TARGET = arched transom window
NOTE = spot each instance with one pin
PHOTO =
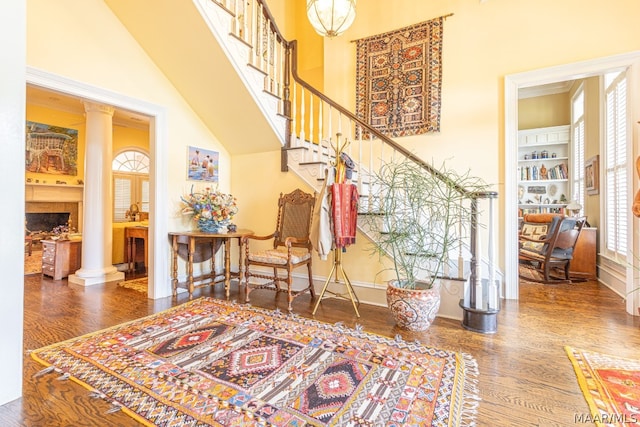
(130, 185)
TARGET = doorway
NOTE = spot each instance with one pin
(158, 264)
(513, 84)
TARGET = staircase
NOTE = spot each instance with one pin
(307, 123)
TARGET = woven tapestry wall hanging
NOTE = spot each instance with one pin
(399, 79)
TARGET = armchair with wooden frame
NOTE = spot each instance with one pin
(291, 248)
(550, 246)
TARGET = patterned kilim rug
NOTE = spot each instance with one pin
(212, 362)
(139, 285)
(33, 263)
(611, 386)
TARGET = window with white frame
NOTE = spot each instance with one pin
(130, 183)
(577, 140)
(615, 164)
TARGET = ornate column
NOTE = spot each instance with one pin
(97, 233)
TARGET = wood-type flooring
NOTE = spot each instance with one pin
(525, 377)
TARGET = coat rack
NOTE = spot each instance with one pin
(342, 174)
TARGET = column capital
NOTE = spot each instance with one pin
(92, 107)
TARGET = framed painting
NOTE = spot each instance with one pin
(51, 149)
(202, 164)
(591, 172)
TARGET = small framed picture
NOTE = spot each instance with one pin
(591, 174)
(202, 165)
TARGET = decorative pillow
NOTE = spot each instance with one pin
(535, 231)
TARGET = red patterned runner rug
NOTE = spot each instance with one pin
(212, 362)
(611, 386)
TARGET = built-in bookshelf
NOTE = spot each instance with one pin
(543, 169)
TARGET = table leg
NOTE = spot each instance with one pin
(174, 265)
(192, 249)
(146, 254)
(227, 266)
(133, 254)
(128, 240)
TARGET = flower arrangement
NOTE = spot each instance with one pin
(210, 209)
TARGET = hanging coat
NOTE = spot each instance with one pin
(321, 234)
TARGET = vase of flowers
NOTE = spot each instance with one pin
(211, 210)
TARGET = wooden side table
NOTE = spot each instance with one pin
(130, 236)
(197, 246)
(61, 257)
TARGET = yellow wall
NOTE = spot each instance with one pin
(123, 138)
(544, 111)
(592, 144)
(98, 51)
(483, 43)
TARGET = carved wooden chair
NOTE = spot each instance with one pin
(291, 248)
(545, 252)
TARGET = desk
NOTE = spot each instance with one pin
(197, 247)
(131, 234)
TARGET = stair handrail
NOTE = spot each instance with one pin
(283, 78)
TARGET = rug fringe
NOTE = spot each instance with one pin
(115, 407)
(471, 392)
(63, 377)
(44, 371)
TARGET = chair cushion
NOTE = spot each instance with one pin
(279, 256)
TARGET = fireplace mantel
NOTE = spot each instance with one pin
(56, 198)
(53, 193)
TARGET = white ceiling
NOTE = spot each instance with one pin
(63, 102)
(546, 89)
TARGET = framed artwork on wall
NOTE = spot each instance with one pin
(51, 149)
(202, 164)
(591, 172)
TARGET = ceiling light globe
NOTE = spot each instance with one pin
(330, 18)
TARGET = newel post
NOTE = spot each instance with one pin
(481, 302)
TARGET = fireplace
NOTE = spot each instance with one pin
(48, 206)
(45, 221)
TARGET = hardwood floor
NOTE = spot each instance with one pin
(525, 377)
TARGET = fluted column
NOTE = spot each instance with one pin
(97, 233)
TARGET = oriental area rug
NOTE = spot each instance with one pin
(399, 79)
(611, 386)
(210, 362)
(140, 284)
(33, 263)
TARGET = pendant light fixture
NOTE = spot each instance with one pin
(331, 18)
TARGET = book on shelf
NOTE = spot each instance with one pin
(532, 173)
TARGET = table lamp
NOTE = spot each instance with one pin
(574, 208)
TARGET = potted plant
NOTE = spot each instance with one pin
(418, 221)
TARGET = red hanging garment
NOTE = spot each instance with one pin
(344, 207)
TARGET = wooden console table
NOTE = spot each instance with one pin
(196, 246)
(130, 236)
(583, 264)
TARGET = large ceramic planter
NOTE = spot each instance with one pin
(413, 309)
